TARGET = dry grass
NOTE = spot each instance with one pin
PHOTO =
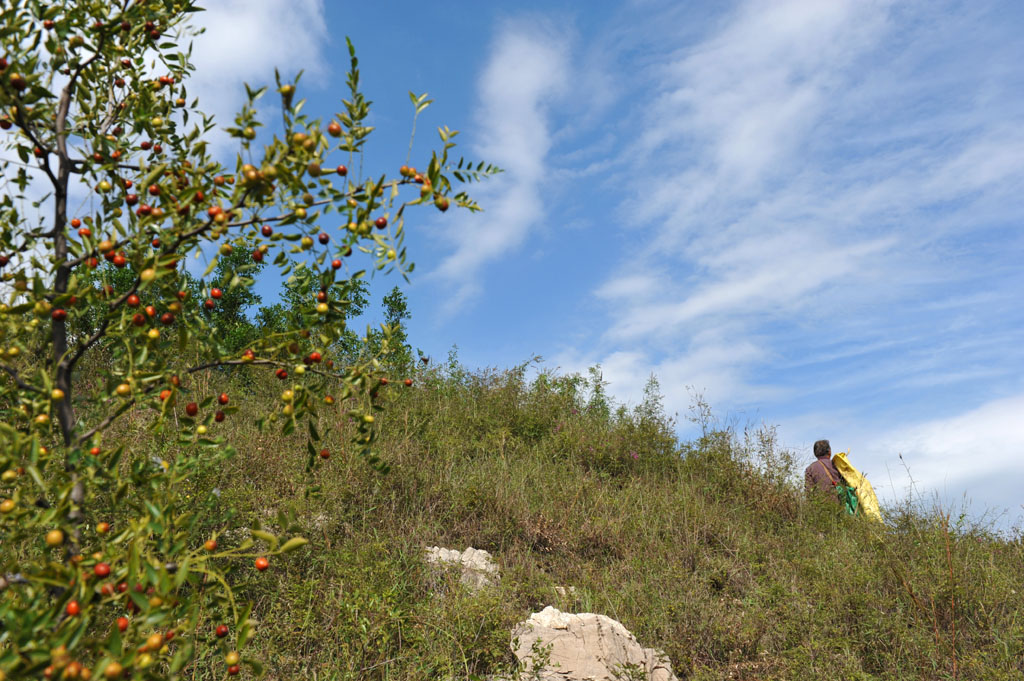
(707, 550)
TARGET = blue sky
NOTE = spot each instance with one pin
(809, 212)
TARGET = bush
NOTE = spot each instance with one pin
(121, 370)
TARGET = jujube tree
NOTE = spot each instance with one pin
(99, 134)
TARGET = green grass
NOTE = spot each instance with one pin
(708, 550)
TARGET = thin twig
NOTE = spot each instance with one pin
(113, 416)
(13, 373)
(266, 362)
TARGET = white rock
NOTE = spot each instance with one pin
(584, 647)
(565, 592)
(478, 567)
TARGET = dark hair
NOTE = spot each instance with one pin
(822, 448)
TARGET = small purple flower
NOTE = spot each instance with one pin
(574, 412)
(634, 455)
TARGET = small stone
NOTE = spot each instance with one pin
(478, 567)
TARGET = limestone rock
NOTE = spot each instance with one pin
(566, 592)
(558, 646)
(478, 567)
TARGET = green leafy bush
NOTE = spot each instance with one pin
(119, 558)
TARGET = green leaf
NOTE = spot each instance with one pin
(139, 599)
(153, 510)
(243, 625)
(114, 643)
(182, 573)
(157, 171)
(37, 478)
(210, 267)
(133, 559)
(181, 657)
(267, 537)
(293, 544)
(256, 665)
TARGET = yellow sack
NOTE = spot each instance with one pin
(867, 501)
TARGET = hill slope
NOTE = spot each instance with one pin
(708, 550)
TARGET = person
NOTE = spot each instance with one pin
(822, 474)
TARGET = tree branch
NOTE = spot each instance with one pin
(113, 416)
(209, 365)
(265, 362)
(112, 111)
(26, 127)
(13, 373)
(84, 347)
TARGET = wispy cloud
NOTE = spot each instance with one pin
(747, 96)
(829, 193)
(244, 41)
(527, 67)
(962, 455)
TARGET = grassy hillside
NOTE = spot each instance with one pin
(707, 549)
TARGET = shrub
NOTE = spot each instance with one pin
(103, 326)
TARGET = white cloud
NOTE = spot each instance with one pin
(631, 286)
(974, 455)
(243, 41)
(712, 366)
(767, 282)
(828, 194)
(982, 442)
(733, 111)
(748, 96)
(760, 218)
(527, 67)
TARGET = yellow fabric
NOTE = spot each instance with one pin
(866, 498)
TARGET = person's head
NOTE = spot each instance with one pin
(822, 448)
